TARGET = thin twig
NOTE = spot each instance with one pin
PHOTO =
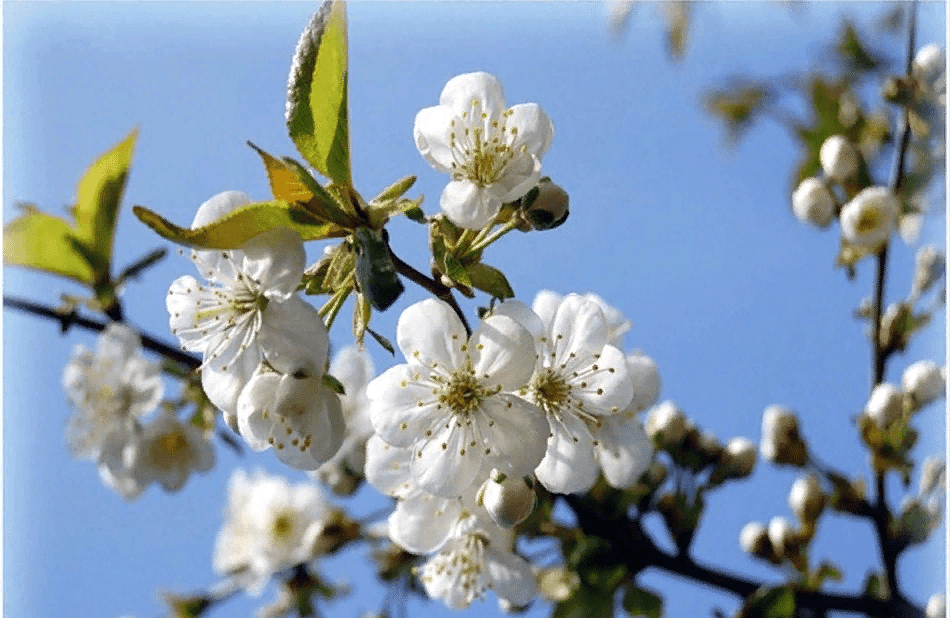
(442, 292)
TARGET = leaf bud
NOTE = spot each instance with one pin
(666, 424)
(839, 158)
(813, 203)
(806, 499)
(781, 441)
(508, 500)
(886, 405)
(924, 382)
(544, 208)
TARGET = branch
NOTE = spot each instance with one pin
(67, 320)
(437, 288)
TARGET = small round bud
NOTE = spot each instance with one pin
(754, 539)
(839, 158)
(806, 499)
(544, 208)
(781, 442)
(813, 203)
(646, 381)
(886, 405)
(740, 457)
(868, 219)
(928, 63)
(782, 536)
(509, 500)
(936, 606)
(930, 267)
(710, 446)
(666, 424)
(924, 381)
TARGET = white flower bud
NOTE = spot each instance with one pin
(924, 381)
(666, 423)
(928, 63)
(508, 500)
(886, 405)
(754, 538)
(781, 442)
(549, 208)
(868, 219)
(931, 264)
(740, 457)
(781, 535)
(646, 381)
(812, 203)
(839, 158)
(936, 606)
(932, 476)
(806, 499)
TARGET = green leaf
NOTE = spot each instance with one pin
(455, 271)
(316, 94)
(44, 242)
(241, 225)
(285, 183)
(386, 343)
(490, 280)
(325, 205)
(396, 190)
(642, 602)
(770, 603)
(333, 384)
(99, 193)
(586, 602)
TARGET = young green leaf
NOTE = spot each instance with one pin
(44, 242)
(239, 226)
(490, 280)
(316, 94)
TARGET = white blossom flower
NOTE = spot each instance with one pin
(813, 203)
(885, 406)
(839, 158)
(869, 218)
(116, 468)
(546, 304)
(781, 441)
(168, 452)
(806, 498)
(269, 526)
(475, 560)
(451, 403)
(110, 389)
(247, 311)
(924, 381)
(493, 153)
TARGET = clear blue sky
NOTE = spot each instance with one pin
(737, 302)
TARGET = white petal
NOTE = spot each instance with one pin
(511, 576)
(524, 315)
(387, 466)
(429, 332)
(515, 431)
(255, 416)
(276, 259)
(293, 337)
(469, 206)
(503, 353)
(223, 383)
(604, 386)
(485, 88)
(432, 132)
(210, 262)
(545, 305)
(624, 450)
(447, 464)
(520, 176)
(423, 523)
(402, 409)
(579, 328)
(568, 466)
(646, 381)
(535, 129)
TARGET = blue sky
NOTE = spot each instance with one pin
(738, 303)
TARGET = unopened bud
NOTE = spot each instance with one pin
(646, 381)
(782, 536)
(781, 441)
(932, 476)
(509, 500)
(739, 457)
(870, 217)
(813, 203)
(892, 326)
(886, 405)
(931, 265)
(806, 499)
(928, 63)
(754, 539)
(839, 158)
(710, 446)
(666, 424)
(936, 606)
(544, 208)
(924, 382)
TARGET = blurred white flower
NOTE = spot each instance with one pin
(839, 158)
(781, 442)
(813, 203)
(886, 405)
(806, 499)
(168, 452)
(493, 153)
(868, 219)
(740, 455)
(930, 267)
(924, 381)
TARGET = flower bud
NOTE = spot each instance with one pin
(781, 442)
(931, 264)
(666, 424)
(806, 499)
(813, 203)
(646, 381)
(782, 536)
(933, 475)
(868, 219)
(886, 405)
(915, 523)
(924, 382)
(544, 208)
(754, 539)
(893, 326)
(839, 158)
(936, 606)
(710, 446)
(739, 458)
(928, 63)
(509, 500)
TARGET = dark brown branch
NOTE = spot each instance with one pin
(67, 320)
(437, 288)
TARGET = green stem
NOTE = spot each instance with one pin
(485, 240)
